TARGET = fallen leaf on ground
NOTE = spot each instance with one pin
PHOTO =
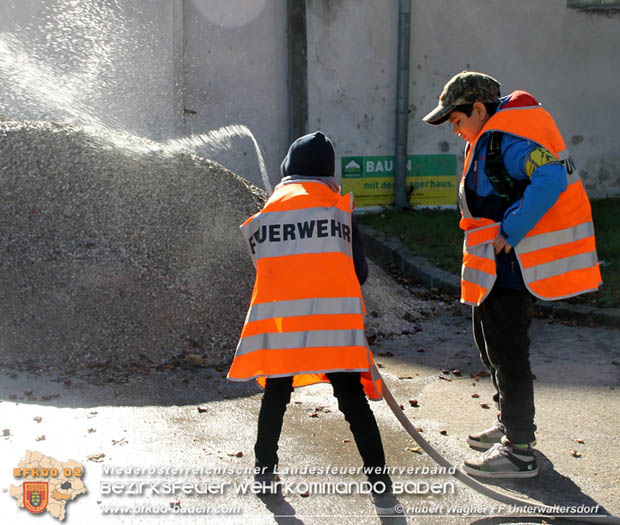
(414, 402)
(194, 359)
(580, 441)
(575, 453)
(47, 397)
(201, 409)
(475, 396)
(414, 449)
(484, 405)
(97, 458)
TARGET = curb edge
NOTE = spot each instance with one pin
(383, 250)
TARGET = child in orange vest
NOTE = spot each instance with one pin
(305, 323)
(519, 181)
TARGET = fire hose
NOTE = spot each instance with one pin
(545, 510)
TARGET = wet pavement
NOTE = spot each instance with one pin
(156, 428)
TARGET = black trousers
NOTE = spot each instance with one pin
(352, 403)
(500, 326)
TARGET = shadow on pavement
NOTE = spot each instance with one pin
(550, 488)
(161, 388)
(283, 512)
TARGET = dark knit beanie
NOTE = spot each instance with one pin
(310, 156)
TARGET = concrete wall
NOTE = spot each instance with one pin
(235, 75)
(214, 72)
(566, 58)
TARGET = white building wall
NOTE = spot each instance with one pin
(567, 59)
(236, 84)
(216, 70)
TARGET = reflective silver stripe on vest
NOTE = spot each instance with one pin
(571, 171)
(318, 306)
(559, 267)
(471, 275)
(573, 177)
(293, 232)
(547, 240)
(470, 247)
(306, 339)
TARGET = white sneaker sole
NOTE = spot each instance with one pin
(500, 475)
(479, 445)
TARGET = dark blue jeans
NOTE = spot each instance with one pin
(352, 403)
(500, 326)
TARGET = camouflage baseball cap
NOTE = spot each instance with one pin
(465, 87)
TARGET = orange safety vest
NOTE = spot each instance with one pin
(306, 315)
(558, 256)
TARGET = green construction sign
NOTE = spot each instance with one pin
(431, 179)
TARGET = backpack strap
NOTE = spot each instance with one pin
(508, 188)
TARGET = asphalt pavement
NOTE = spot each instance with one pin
(175, 445)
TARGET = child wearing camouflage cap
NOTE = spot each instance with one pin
(528, 233)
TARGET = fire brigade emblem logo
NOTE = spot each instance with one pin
(36, 495)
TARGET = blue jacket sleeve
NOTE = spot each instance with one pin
(525, 159)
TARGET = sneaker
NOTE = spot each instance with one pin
(487, 438)
(386, 503)
(266, 483)
(503, 460)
